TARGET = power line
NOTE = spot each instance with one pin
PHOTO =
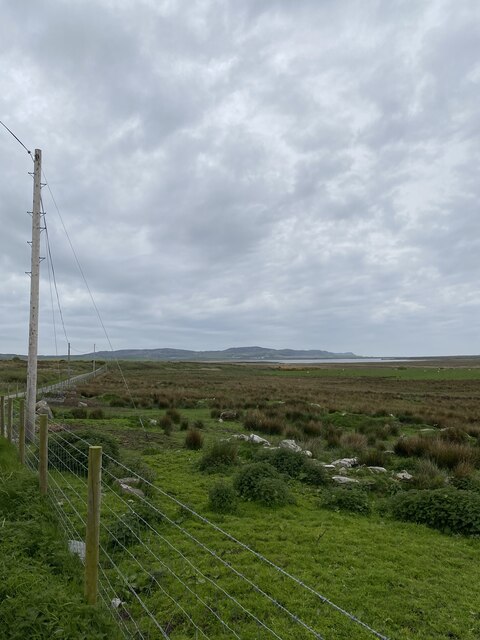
(17, 139)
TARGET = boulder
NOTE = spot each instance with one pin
(344, 480)
(42, 408)
(258, 440)
(290, 444)
(330, 467)
(82, 404)
(404, 475)
(307, 453)
(377, 469)
(345, 462)
(133, 491)
(130, 481)
(240, 436)
(152, 422)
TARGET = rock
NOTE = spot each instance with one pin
(229, 415)
(404, 475)
(153, 422)
(258, 440)
(345, 462)
(377, 469)
(290, 444)
(240, 436)
(427, 429)
(126, 488)
(344, 480)
(116, 603)
(82, 404)
(77, 547)
(42, 408)
(330, 467)
(129, 481)
(307, 453)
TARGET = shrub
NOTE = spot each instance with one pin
(222, 454)
(166, 424)
(198, 424)
(351, 499)
(314, 474)
(248, 478)
(68, 451)
(427, 475)
(449, 510)
(288, 462)
(332, 436)
(372, 458)
(193, 439)
(312, 429)
(354, 440)
(127, 528)
(96, 414)
(222, 498)
(184, 424)
(272, 492)
(258, 421)
(454, 434)
(174, 415)
(79, 413)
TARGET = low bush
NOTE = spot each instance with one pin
(352, 499)
(449, 510)
(166, 423)
(222, 498)
(174, 415)
(446, 454)
(193, 439)
(96, 414)
(247, 480)
(68, 450)
(312, 429)
(198, 424)
(127, 528)
(258, 421)
(427, 475)
(272, 492)
(354, 441)
(288, 462)
(184, 424)
(220, 455)
(79, 413)
(314, 474)
(372, 458)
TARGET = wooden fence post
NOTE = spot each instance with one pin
(92, 539)
(2, 416)
(21, 430)
(9, 419)
(43, 455)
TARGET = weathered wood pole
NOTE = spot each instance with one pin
(9, 419)
(92, 539)
(31, 395)
(43, 455)
(21, 430)
(2, 416)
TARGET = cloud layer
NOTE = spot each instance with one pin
(285, 174)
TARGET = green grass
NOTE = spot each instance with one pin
(41, 583)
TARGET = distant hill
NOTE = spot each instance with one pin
(234, 354)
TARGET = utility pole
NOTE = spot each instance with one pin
(94, 359)
(68, 365)
(34, 299)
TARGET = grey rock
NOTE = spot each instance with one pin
(290, 444)
(377, 469)
(77, 547)
(240, 436)
(404, 475)
(344, 480)
(307, 453)
(345, 462)
(126, 488)
(258, 440)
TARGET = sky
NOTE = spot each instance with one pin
(281, 173)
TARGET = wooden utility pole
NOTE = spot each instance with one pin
(34, 300)
(92, 538)
(94, 347)
(68, 362)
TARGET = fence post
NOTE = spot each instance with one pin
(2, 416)
(21, 430)
(9, 419)
(92, 539)
(43, 455)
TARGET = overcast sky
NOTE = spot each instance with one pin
(282, 173)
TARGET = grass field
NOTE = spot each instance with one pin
(406, 580)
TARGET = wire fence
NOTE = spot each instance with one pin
(167, 571)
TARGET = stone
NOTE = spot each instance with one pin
(307, 453)
(153, 422)
(42, 408)
(291, 445)
(126, 488)
(229, 415)
(116, 603)
(345, 462)
(377, 469)
(82, 404)
(77, 547)
(330, 467)
(240, 436)
(404, 475)
(258, 440)
(344, 480)
(130, 481)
